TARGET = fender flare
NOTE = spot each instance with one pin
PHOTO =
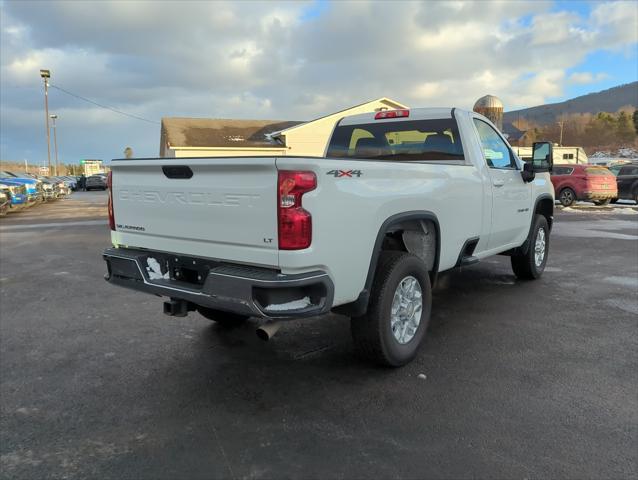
(360, 305)
(545, 196)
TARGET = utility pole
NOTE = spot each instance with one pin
(560, 124)
(55, 142)
(26, 166)
(46, 74)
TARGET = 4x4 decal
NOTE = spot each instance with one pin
(344, 173)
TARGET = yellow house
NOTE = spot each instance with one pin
(201, 137)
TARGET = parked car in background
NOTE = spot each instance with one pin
(59, 187)
(72, 182)
(16, 192)
(583, 182)
(33, 186)
(95, 182)
(626, 181)
(5, 201)
(48, 189)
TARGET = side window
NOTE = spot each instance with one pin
(497, 153)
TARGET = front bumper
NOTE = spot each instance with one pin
(253, 291)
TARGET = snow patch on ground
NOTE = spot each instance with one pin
(294, 305)
(605, 211)
(155, 270)
(626, 152)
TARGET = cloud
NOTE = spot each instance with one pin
(584, 78)
(286, 60)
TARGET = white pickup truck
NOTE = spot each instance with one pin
(400, 196)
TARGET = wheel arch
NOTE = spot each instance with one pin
(392, 225)
(544, 205)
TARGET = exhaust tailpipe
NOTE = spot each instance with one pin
(268, 330)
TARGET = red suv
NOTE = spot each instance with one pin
(583, 182)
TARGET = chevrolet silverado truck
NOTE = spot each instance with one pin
(398, 197)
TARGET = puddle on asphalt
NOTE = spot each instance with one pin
(597, 229)
(625, 304)
(623, 281)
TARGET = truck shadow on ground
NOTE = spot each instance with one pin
(317, 353)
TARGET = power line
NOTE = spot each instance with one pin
(104, 106)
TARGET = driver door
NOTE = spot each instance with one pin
(511, 196)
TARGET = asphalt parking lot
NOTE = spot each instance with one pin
(523, 380)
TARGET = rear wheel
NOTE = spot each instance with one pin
(602, 202)
(396, 322)
(530, 266)
(567, 197)
(225, 319)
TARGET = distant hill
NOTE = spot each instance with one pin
(606, 101)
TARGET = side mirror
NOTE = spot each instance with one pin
(528, 172)
(542, 157)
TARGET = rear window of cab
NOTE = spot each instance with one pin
(416, 140)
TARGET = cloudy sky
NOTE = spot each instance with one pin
(288, 60)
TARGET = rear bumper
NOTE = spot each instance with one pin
(244, 290)
(599, 195)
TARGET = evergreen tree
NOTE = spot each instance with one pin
(625, 130)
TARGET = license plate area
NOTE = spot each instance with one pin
(188, 270)
(179, 269)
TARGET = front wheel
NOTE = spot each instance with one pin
(567, 197)
(225, 319)
(530, 266)
(396, 322)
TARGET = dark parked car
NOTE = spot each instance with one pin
(627, 180)
(583, 182)
(95, 182)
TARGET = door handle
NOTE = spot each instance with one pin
(498, 183)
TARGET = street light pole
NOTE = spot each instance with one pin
(46, 74)
(55, 142)
(560, 142)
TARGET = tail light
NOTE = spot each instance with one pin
(294, 223)
(109, 184)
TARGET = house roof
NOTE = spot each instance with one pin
(205, 132)
(386, 100)
(513, 133)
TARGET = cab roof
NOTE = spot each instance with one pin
(415, 114)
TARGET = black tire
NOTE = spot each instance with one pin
(525, 266)
(225, 319)
(567, 197)
(602, 202)
(372, 333)
(614, 200)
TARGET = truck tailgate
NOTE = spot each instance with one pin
(211, 207)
